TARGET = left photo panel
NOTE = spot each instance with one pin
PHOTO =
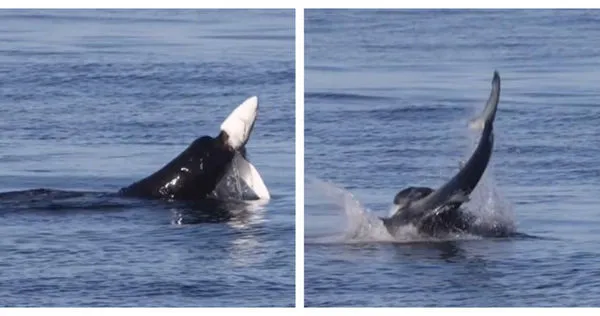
(147, 158)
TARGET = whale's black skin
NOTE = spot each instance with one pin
(438, 212)
(411, 194)
(450, 218)
(192, 175)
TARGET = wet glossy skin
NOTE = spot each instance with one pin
(190, 176)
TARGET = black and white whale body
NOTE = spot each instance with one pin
(210, 181)
(200, 171)
(437, 212)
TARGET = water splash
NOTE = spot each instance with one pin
(360, 223)
(492, 212)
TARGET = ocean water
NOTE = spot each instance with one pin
(388, 97)
(95, 100)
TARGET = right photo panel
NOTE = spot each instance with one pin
(451, 158)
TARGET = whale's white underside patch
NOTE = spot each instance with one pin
(242, 181)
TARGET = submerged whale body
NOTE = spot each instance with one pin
(438, 212)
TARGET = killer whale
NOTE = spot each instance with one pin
(201, 170)
(437, 212)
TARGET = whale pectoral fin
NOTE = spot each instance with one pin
(239, 124)
(248, 174)
(241, 181)
(489, 112)
(254, 181)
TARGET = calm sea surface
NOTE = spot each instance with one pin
(94, 100)
(388, 97)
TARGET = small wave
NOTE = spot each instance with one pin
(102, 16)
(238, 214)
(61, 201)
(344, 96)
(420, 112)
(252, 37)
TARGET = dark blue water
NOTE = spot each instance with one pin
(388, 97)
(94, 100)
